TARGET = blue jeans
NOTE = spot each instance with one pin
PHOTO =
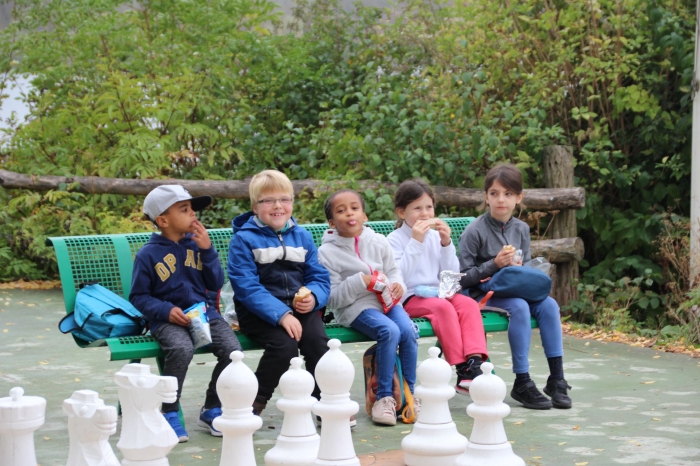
(546, 313)
(391, 331)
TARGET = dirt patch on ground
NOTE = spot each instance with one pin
(632, 340)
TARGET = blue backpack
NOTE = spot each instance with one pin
(100, 313)
(527, 283)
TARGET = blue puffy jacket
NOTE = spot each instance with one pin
(266, 269)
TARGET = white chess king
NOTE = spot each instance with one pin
(20, 416)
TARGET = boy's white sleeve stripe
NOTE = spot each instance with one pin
(269, 255)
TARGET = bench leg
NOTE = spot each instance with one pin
(160, 361)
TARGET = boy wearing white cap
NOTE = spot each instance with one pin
(172, 272)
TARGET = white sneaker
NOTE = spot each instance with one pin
(384, 411)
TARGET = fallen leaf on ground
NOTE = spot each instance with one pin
(77, 379)
(561, 443)
(648, 382)
(517, 423)
(574, 428)
(655, 419)
(582, 464)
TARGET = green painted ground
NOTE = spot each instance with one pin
(631, 405)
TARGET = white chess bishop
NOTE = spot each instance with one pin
(334, 374)
(90, 423)
(488, 445)
(434, 440)
(297, 444)
(146, 438)
(20, 416)
(237, 387)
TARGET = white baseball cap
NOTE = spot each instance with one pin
(161, 198)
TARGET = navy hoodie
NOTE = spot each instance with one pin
(169, 274)
(266, 268)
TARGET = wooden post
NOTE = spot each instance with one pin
(559, 173)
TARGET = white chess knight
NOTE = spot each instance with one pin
(434, 440)
(146, 437)
(20, 416)
(237, 387)
(334, 374)
(90, 423)
(488, 445)
(298, 441)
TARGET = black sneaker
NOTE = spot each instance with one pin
(466, 373)
(528, 394)
(556, 390)
(258, 407)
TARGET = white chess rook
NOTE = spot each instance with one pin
(20, 416)
(434, 440)
(334, 375)
(298, 442)
(90, 423)
(488, 445)
(146, 438)
(237, 387)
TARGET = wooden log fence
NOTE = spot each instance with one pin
(563, 248)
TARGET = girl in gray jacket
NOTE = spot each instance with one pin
(352, 253)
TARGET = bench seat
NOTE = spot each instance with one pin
(109, 260)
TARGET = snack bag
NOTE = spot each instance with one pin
(228, 306)
(199, 328)
(382, 288)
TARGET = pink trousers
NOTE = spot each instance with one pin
(457, 323)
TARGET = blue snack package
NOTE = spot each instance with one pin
(199, 327)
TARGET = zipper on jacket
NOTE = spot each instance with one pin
(284, 255)
(503, 232)
(357, 251)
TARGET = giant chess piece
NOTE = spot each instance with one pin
(20, 416)
(298, 442)
(488, 445)
(146, 437)
(334, 375)
(237, 387)
(434, 440)
(90, 423)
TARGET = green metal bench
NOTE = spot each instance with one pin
(109, 260)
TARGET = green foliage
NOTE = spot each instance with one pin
(622, 304)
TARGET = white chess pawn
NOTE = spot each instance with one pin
(334, 375)
(434, 440)
(146, 437)
(237, 387)
(90, 423)
(20, 416)
(298, 441)
(488, 445)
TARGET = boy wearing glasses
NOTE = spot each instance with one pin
(270, 259)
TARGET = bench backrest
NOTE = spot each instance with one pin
(109, 258)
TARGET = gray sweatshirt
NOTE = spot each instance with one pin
(347, 259)
(481, 242)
